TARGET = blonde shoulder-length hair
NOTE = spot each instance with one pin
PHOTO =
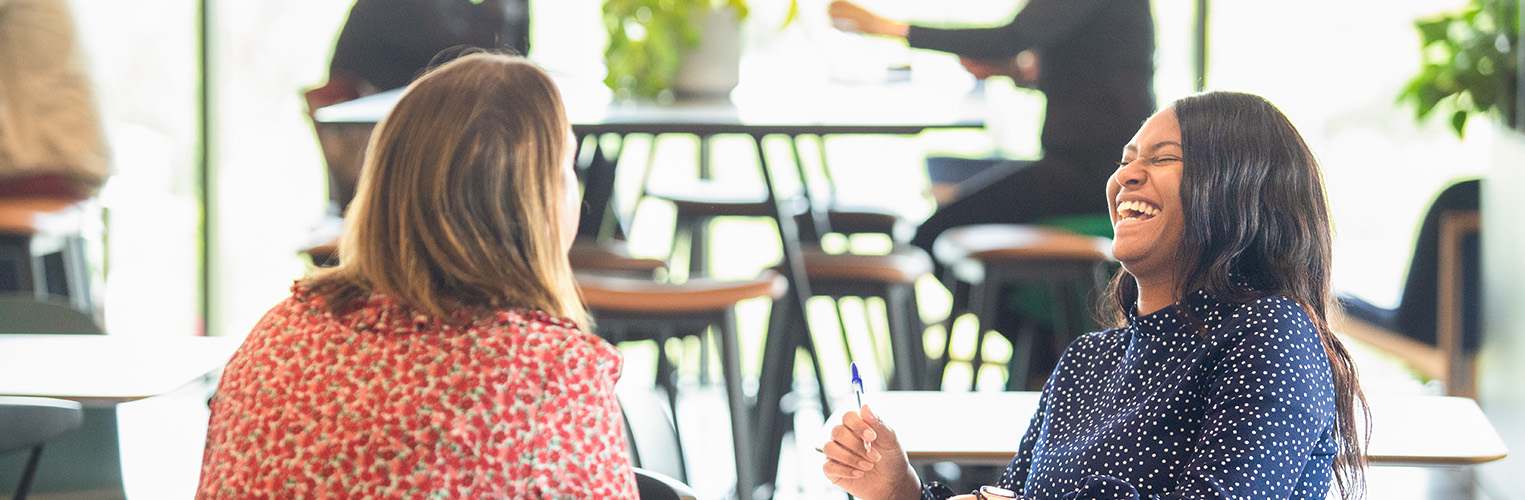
(461, 196)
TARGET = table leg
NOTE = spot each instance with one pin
(598, 173)
(785, 327)
(782, 343)
(820, 221)
(736, 397)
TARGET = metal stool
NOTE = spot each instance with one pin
(630, 309)
(982, 261)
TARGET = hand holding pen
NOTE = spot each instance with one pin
(868, 443)
(879, 470)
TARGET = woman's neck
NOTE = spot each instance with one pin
(1156, 293)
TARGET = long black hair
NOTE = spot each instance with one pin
(1256, 215)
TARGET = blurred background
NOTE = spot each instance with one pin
(1335, 67)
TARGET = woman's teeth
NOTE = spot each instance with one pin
(1137, 210)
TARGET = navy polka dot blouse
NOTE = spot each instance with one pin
(1159, 410)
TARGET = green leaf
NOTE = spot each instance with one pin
(794, 13)
(1459, 122)
(1432, 30)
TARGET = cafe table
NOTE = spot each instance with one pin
(881, 109)
(985, 428)
(100, 372)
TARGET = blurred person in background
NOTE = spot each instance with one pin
(51, 143)
(1094, 62)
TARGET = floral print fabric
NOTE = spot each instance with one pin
(384, 402)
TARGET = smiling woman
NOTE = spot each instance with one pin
(1222, 379)
(1145, 197)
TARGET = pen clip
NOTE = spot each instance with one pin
(857, 380)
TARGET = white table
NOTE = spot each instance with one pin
(943, 427)
(99, 371)
(103, 370)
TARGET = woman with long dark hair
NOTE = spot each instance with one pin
(1222, 379)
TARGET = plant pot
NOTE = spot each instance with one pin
(712, 70)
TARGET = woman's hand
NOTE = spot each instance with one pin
(880, 472)
(1023, 69)
(848, 16)
(982, 68)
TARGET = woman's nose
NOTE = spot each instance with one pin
(1131, 174)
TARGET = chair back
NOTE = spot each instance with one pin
(28, 423)
(656, 486)
(652, 435)
(1417, 313)
(24, 313)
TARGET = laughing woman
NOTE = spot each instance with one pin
(1222, 380)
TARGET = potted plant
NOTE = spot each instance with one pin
(1469, 63)
(663, 48)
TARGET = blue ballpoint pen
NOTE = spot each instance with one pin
(858, 392)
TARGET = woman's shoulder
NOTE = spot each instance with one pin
(1097, 342)
(377, 314)
(1278, 322)
(542, 335)
(538, 327)
(1272, 313)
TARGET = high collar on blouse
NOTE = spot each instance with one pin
(381, 312)
(1206, 311)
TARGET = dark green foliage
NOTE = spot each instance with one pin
(1469, 63)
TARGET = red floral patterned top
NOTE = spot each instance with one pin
(385, 402)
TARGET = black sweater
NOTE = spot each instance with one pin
(1097, 67)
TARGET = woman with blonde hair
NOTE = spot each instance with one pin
(443, 356)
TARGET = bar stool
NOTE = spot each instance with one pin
(890, 277)
(982, 261)
(41, 244)
(628, 309)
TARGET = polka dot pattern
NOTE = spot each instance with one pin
(1162, 411)
(385, 402)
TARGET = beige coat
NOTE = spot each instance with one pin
(48, 117)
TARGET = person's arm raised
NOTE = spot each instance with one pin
(848, 16)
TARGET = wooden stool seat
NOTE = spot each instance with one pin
(614, 293)
(854, 220)
(591, 255)
(987, 242)
(628, 309)
(890, 277)
(32, 216)
(904, 264)
(983, 260)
